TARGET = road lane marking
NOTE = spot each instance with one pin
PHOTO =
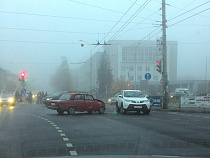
(73, 153)
(69, 145)
(66, 139)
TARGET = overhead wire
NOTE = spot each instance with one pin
(131, 18)
(119, 20)
(188, 17)
(188, 11)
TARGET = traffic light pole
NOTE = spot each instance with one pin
(164, 49)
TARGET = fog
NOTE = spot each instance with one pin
(36, 34)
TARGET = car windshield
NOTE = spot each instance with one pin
(65, 97)
(136, 94)
(105, 78)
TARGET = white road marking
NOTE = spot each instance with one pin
(73, 153)
(66, 139)
(62, 134)
(49, 121)
(60, 131)
(69, 145)
(54, 125)
(57, 127)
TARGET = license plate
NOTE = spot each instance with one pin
(53, 104)
(139, 107)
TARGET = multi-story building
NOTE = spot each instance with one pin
(131, 60)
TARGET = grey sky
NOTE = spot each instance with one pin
(35, 34)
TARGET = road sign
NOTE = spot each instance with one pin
(23, 90)
(147, 76)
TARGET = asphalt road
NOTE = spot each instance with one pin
(35, 131)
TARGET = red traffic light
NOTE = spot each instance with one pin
(159, 62)
(23, 74)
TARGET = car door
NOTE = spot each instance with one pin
(91, 104)
(64, 101)
(79, 102)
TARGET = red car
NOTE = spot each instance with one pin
(72, 102)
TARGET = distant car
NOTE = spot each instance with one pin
(72, 102)
(113, 99)
(7, 99)
(54, 96)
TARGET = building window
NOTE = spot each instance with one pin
(131, 68)
(131, 78)
(147, 68)
(139, 68)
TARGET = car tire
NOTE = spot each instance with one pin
(122, 110)
(146, 112)
(71, 111)
(101, 110)
(117, 109)
(60, 112)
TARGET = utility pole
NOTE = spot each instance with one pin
(164, 74)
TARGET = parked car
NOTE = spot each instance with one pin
(132, 100)
(54, 96)
(7, 99)
(72, 102)
(113, 99)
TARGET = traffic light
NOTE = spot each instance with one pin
(22, 74)
(159, 66)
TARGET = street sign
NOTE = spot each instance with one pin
(147, 76)
(23, 90)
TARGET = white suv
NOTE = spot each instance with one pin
(132, 100)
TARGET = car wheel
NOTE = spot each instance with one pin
(101, 110)
(71, 111)
(60, 112)
(122, 110)
(146, 112)
(117, 109)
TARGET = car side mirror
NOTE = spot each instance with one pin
(120, 96)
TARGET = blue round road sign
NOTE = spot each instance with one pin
(147, 76)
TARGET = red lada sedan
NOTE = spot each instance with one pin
(72, 102)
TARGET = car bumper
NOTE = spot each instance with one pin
(53, 107)
(6, 104)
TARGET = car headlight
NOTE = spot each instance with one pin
(109, 100)
(11, 100)
(146, 101)
(127, 100)
(0, 99)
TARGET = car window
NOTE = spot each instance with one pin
(65, 97)
(133, 94)
(79, 97)
(89, 97)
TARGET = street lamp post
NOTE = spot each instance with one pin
(90, 62)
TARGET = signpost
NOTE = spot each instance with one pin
(147, 77)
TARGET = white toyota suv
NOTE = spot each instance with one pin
(132, 100)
